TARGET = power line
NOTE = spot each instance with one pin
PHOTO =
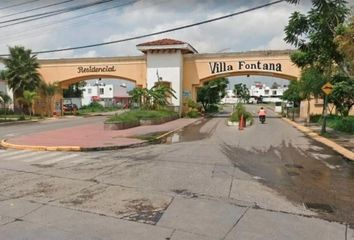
(19, 4)
(50, 14)
(32, 31)
(37, 8)
(159, 32)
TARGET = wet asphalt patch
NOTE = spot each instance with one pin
(304, 177)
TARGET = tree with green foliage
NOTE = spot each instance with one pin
(314, 36)
(160, 95)
(311, 82)
(293, 93)
(28, 99)
(138, 94)
(343, 94)
(212, 92)
(154, 98)
(345, 43)
(21, 71)
(74, 90)
(241, 91)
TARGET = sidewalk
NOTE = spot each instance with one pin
(91, 137)
(342, 143)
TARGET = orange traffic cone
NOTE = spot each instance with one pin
(240, 123)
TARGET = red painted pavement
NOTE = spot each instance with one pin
(93, 135)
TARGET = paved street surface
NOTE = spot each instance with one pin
(207, 182)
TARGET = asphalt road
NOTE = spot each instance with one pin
(209, 181)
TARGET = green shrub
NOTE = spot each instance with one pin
(193, 114)
(22, 117)
(315, 118)
(136, 115)
(343, 124)
(213, 108)
(240, 110)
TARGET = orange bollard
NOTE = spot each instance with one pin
(240, 123)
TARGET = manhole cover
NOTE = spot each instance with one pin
(319, 207)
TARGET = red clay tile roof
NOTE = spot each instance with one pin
(165, 41)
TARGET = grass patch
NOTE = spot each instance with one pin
(95, 107)
(342, 124)
(136, 115)
(17, 117)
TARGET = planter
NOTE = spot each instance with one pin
(120, 125)
(142, 122)
(229, 123)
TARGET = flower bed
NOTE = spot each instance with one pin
(139, 117)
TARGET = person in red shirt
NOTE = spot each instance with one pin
(262, 114)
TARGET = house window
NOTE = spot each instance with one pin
(266, 92)
(274, 93)
(89, 90)
(101, 90)
(110, 89)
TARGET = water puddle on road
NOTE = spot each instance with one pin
(318, 178)
(189, 133)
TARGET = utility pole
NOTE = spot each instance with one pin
(327, 89)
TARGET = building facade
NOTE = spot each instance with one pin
(106, 94)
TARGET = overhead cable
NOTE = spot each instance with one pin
(37, 8)
(50, 14)
(159, 32)
(19, 4)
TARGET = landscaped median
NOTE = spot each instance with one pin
(92, 137)
(136, 118)
(240, 111)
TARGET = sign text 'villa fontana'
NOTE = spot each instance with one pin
(220, 67)
(90, 69)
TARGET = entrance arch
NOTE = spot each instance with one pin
(68, 71)
(199, 68)
(171, 61)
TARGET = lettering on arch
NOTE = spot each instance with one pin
(222, 67)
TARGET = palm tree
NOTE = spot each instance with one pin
(21, 71)
(28, 99)
(5, 100)
(48, 91)
(160, 95)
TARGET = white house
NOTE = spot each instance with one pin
(106, 94)
(4, 89)
(230, 97)
(268, 94)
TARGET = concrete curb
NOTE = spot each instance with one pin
(329, 143)
(5, 144)
(18, 122)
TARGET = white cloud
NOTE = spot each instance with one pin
(260, 29)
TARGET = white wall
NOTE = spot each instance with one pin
(5, 89)
(170, 69)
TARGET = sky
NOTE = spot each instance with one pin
(262, 29)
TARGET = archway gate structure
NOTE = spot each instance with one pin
(171, 61)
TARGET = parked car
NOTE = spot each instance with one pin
(69, 107)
